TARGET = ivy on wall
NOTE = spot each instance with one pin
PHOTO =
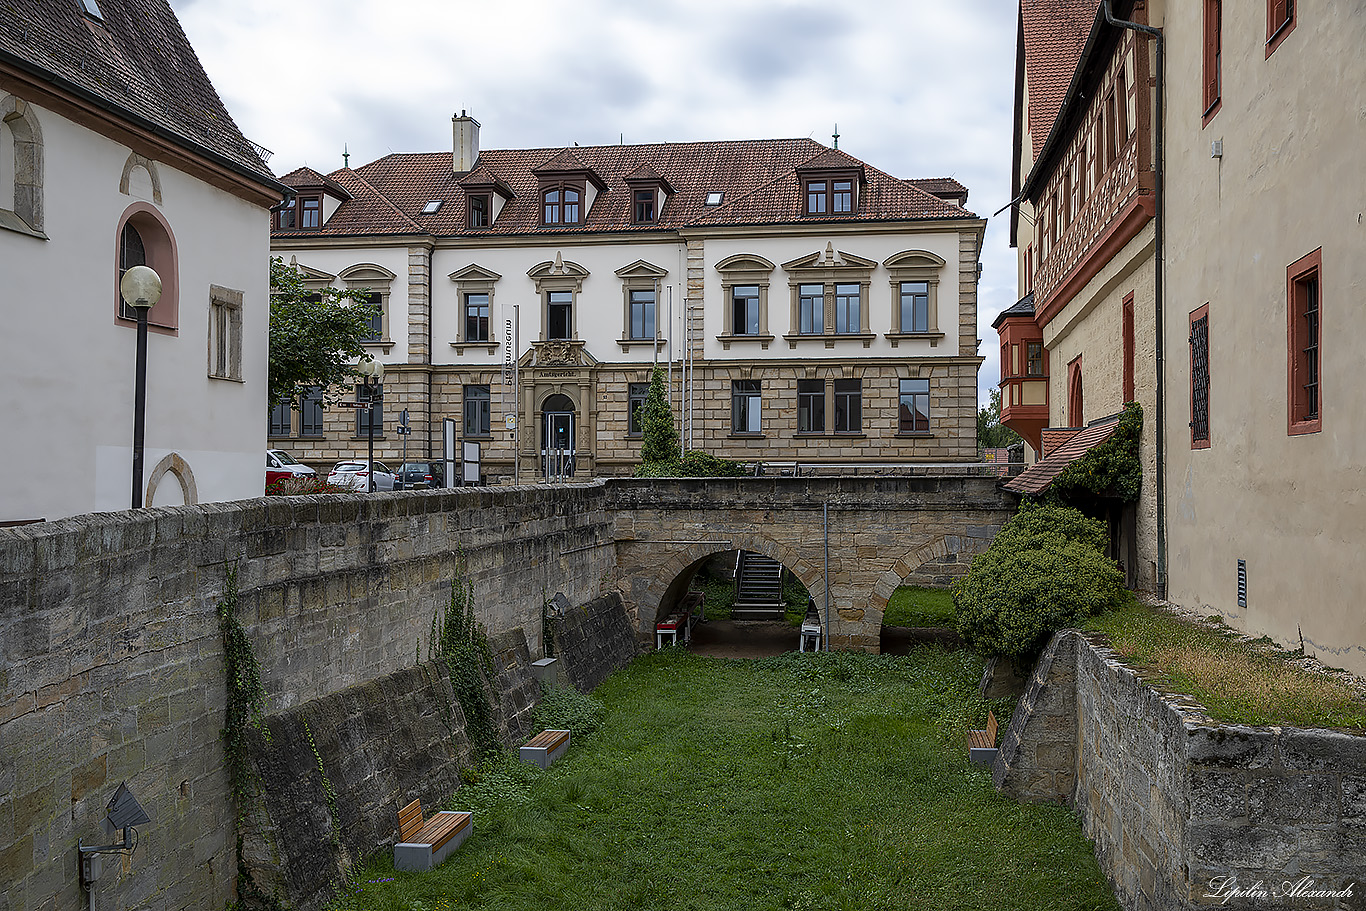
(1110, 471)
(463, 646)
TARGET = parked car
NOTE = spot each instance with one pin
(416, 475)
(356, 476)
(281, 465)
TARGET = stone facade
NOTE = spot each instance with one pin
(1176, 803)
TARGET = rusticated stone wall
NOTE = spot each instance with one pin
(1184, 810)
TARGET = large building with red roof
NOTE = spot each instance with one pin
(812, 308)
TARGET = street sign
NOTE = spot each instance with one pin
(510, 421)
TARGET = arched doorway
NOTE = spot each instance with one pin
(557, 436)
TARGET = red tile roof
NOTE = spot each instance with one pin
(1055, 32)
(1036, 478)
(136, 59)
(943, 187)
(758, 178)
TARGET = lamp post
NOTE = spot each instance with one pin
(140, 288)
(372, 375)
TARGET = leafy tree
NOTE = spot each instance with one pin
(991, 433)
(1045, 570)
(1111, 471)
(659, 441)
(315, 337)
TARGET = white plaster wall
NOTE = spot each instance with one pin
(875, 247)
(1290, 181)
(335, 260)
(68, 369)
(600, 317)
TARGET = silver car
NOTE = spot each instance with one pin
(356, 475)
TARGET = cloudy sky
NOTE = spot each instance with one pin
(919, 88)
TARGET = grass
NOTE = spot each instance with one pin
(910, 605)
(1234, 680)
(830, 781)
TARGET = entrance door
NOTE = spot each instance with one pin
(557, 437)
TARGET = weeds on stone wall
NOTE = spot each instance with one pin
(329, 792)
(462, 644)
(547, 628)
(246, 706)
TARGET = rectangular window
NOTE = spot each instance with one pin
(310, 213)
(311, 414)
(560, 312)
(1199, 341)
(1111, 142)
(817, 197)
(476, 317)
(810, 406)
(1126, 333)
(1213, 54)
(1034, 358)
(636, 393)
(374, 413)
(479, 210)
(281, 419)
(811, 309)
(744, 302)
(842, 195)
(477, 405)
(744, 406)
(376, 305)
(645, 206)
(1280, 21)
(225, 334)
(913, 416)
(848, 406)
(1122, 106)
(915, 306)
(643, 313)
(847, 308)
(1306, 395)
(284, 219)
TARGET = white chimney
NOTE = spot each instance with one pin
(465, 142)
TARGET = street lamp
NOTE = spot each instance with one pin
(372, 375)
(140, 288)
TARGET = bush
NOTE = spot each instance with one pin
(698, 464)
(565, 709)
(295, 487)
(1045, 571)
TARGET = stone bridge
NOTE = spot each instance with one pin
(881, 532)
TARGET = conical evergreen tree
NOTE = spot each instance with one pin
(659, 435)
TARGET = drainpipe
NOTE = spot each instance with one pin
(1159, 210)
(431, 359)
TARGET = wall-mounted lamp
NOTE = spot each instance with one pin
(124, 812)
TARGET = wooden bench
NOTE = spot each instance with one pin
(424, 844)
(545, 748)
(982, 744)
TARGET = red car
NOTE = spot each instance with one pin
(281, 465)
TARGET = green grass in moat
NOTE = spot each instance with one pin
(910, 605)
(829, 781)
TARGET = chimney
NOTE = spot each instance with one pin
(465, 130)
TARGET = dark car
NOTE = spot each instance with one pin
(415, 475)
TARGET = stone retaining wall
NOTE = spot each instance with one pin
(111, 658)
(1181, 808)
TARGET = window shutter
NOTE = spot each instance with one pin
(1211, 52)
(1278, 16)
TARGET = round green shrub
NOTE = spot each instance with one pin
(1046, 570)
(699, 464)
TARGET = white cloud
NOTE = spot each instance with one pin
(919, 88)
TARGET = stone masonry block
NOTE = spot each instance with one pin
(1278, 800)
(1231, 746)
(1319, 750)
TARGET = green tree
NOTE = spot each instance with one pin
(659, 436)
(991, 433)
(315, 337)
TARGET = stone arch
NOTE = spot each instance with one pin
(138, 161)
(937, 549)
(174, 465)
(162, 255)
(664, 577)
(26, 169)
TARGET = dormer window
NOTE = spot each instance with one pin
(479, 210)
(562, 205)
(284, 219)
(310, 213)
(842, 196)
(644, 206)
(830, 195)
(816, 197)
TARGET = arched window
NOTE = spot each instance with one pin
(552, 207)
(1075, 414)
(21, 168)
(144, 239)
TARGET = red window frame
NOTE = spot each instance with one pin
(1127, 337)
(1075, 410)
(1304, 332)
(1211, 70)
(1199, 390)
(1280, 22)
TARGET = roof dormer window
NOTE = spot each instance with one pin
(562, 204)
(830, 194)
(644, 207)
(310, 213)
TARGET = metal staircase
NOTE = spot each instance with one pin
(758, 588)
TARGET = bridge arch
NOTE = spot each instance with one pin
(942, 555)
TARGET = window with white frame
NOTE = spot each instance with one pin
(811, 309)
(847, 308)
(642, 303)
(745, 398)
(915, 295)
(744, 309)
(744, 284)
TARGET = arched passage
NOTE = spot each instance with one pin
(943, 556)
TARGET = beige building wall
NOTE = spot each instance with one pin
(1289, 182)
